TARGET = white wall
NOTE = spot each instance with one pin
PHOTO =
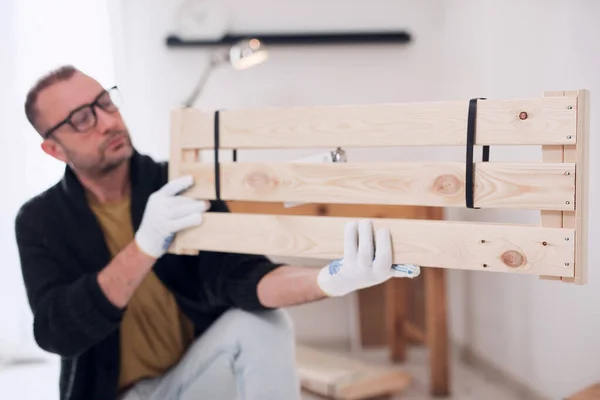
(35, 36)
(543, 333)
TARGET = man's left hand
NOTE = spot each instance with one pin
(366, 262)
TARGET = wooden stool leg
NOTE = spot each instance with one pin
(396, 309)
(437, 330)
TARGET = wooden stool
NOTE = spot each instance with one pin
(404, 311)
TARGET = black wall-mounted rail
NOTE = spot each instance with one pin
(300, 39)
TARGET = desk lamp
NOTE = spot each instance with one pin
(243, 55)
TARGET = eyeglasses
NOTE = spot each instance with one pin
(84, 117)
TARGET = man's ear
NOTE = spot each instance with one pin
(54, 149)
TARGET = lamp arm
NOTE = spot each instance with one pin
(193, 96)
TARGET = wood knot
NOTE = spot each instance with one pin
(258, 180)
(447, 184)
(322, 210)
(513, 259)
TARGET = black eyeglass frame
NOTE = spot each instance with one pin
(91, 105)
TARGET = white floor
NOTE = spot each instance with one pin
(30, 381)
(466, 383)
(40, 381)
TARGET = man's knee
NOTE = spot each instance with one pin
(277, 322)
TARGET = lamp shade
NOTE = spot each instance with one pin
(247, 53)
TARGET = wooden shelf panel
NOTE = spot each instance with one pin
(538, 186)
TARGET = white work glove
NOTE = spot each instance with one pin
(167, 213)
(365, 263)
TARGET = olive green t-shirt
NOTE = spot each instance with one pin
(154, 332)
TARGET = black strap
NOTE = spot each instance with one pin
(470, 166)
(217, 172)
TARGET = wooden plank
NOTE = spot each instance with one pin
(552, 154)
(580, 215)
(546, 186)
(577, 154)
(176, 151)
(342, 377)
(399, 124)
(522, 249)
(177, 156)
(437, 331)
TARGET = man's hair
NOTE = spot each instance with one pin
(54, 76)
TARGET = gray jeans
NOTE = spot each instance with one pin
(243, 356)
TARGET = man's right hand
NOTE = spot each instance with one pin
(166, 214)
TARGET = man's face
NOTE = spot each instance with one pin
(97, 150)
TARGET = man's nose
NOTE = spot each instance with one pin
(106, 121)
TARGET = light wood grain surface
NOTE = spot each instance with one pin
(549, 121)
(581, 155)
(577, 154)
(539, 186)
(447, 244)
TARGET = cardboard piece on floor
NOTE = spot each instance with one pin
(342, 377)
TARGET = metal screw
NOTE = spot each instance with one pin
(569, 107)
(484, 265)
(567, 202)
(482, 240)
(567, 239)
(567, 264)
(569, 137)
(544, 243)
(523, 115)
(567, 173)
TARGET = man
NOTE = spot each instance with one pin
(130, 320)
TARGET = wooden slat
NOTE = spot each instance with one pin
(519, 249)
(540, 186)
(577, 154)
(552, 154)
(580, 215)
(177, 156)
(176, 151)
(401, 124)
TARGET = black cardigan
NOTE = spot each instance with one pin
(62, 248)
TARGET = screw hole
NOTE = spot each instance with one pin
(485, 265)
(544, 243)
